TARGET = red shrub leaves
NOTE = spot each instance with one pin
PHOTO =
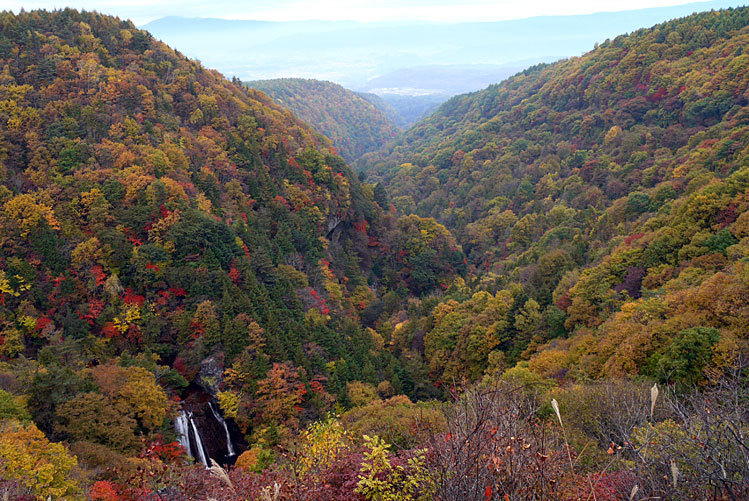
(132, 298)
(103, 490)
(99, 275)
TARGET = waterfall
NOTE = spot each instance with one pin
(185, 425)
(183, 430)
(220, 419)
(198, 442)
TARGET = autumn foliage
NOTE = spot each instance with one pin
(541, 291)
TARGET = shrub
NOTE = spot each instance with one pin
(687, 356)
(494, 443)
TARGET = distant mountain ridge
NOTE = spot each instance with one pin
(354, 124)
(402, 110)
(352, 53)
(411, 109)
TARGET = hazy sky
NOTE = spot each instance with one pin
(143, 11)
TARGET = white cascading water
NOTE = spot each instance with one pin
(183, 430)
(220, 419)
(198, 442)
(183, 424)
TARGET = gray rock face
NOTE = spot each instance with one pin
(332, 222)
(210, 375)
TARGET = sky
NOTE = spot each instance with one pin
(144, 11)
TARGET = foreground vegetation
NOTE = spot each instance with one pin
(515, 437)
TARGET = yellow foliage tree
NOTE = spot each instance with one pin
(322, 443)
(26, 213)
(42, 466)
(134, 390)
(148, 400)
(229, 403)
(380, 480)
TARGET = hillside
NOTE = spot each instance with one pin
(170, 240)
(354, 124)
(390, 112)
(589, 192)
(145, 198)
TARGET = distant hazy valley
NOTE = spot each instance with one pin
(406, 69)
(404, 58)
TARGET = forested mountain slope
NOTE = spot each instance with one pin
(604, 196)
(389, 111)
(355, 125)
(160, 225)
